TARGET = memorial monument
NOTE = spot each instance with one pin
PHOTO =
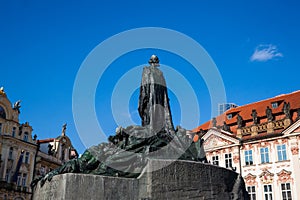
(151, 161)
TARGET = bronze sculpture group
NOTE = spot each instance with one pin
(126, 153)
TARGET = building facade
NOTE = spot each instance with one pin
(54, 152)
(261, 142)
(23, 157)
(18, 149)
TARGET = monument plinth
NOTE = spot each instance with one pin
(178, 180)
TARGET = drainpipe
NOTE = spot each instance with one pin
(240, 146)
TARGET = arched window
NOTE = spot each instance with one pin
(2, 113)
(25, 138)
(10, 153)
(14, 131)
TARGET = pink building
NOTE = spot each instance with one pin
(260, 141)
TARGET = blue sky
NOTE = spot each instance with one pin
(254, 44)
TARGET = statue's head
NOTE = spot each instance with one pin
(154, 61)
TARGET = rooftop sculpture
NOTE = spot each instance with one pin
(126, 153)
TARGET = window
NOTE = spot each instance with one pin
(215, 160)
(228, 160)
(286, 191)
(26, 157)
(274, 104)
(281, 151)
(248, 157)
(14, 132)
(7, 175)
(264, 154)
(10, 153)
(19, 179)
(22, 154)
(24, 177)
(251, 192)
(229, 116)
(2, 113)
(268, 192)
(25, 138)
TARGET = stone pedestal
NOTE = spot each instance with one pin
(177, 180)
(270, 127)
(239, 133)
(254, 129)
(287, 122)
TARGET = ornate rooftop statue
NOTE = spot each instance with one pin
(254, 116)
(226, 127)
(214, 122)
(298, 114)
(269, 114)
(17, 106)
(239, 121)
(2, 92)
(127, 152)
(286, 110)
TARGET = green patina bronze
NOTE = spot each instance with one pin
(126, 153)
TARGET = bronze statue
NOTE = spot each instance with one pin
(126, 153)
(154, 108)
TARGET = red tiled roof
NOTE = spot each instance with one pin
(260, 107)
(45, 140)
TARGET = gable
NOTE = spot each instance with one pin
(297, 130)
(214, 139)
(293, 128)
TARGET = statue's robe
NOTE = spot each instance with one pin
(154, 107)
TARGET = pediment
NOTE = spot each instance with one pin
(293, 128)
(215, 139)
(284, 176)
(250, 179)
(23, 168)
(266, 177)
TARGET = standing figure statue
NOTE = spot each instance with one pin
(214, 122)
(154, 108)
(254, 117)
(269, 114)
(239, 121)
(286, 110)
(226, 127)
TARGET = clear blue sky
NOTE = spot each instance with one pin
(254, 44)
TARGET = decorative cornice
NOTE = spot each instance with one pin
(266, 177)
(284, 176)
(250, 179)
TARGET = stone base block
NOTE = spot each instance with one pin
(176, 180)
